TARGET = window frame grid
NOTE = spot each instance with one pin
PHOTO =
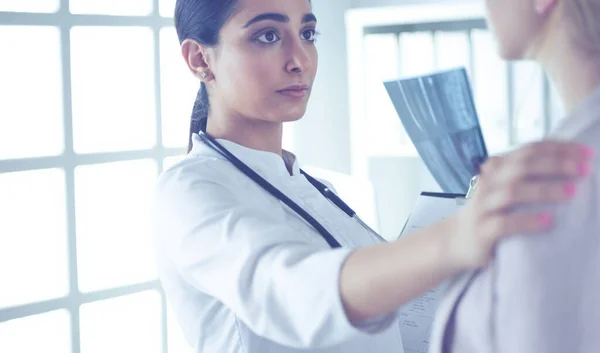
(68, 160)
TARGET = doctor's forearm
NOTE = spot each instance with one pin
(378, 280)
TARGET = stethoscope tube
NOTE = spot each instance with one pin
(333, 243)
(333, 197)
(322, 188)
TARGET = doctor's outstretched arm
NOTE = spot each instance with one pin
(379, 279)
(289, 289)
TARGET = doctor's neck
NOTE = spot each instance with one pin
(251, 133)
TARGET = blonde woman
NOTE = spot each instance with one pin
(541, 294)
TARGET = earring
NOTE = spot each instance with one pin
(204, 74)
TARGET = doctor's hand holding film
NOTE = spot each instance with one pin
(507, 182)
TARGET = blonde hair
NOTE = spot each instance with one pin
(584, 15)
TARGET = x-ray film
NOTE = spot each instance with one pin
(438, 113)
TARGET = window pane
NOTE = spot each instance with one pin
(45, 6)
(111, 7)
(33, 241)
(48, 332)
(114, 246)
(176, 339)
(31, 108)
(113, 89)
(528, 98)
(452, 49)
(491, 91)
(179, 89)
(122, 325)
(385, 130)
(167, 8)
(417, 56)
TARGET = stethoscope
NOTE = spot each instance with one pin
(322, 188)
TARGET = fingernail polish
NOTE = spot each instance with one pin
(570, 190)
(587, 152)
(545, 219)
(584, 170)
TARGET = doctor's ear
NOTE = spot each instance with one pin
(197, 58)
(544, 7)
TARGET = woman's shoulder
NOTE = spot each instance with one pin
(195, 173)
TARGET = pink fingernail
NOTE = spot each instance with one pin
(584, 170)
(570, 190)
(587, 152)
(545, 219)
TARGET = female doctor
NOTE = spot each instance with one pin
(252, 256)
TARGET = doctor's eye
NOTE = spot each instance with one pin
(268, 37)
(309, 35)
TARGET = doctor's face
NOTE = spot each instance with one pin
(517, 25)
(266, 62)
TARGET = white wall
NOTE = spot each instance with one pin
(322, 137)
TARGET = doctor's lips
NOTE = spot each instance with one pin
(295, 91)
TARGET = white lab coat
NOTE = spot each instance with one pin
(243, 273)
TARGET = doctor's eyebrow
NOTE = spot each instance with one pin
(278, 17)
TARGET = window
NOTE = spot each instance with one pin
(167, 8)
(452, 50)
(32, 120)
(112, 75)
(492, 107)
(34, 232)
(111, 7)
(126, 324)
(47, 332)
(417, 54)
(111, 204)
(39, 6)
(382, 63)
(100, 101)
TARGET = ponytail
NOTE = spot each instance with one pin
(199, 114)
(201, 20)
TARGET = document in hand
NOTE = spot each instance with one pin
(416, 318)
(438, 113)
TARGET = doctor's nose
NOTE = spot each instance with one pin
(294, 68)
(296, 65)
(299, 60)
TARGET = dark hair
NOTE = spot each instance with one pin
(201, 20)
